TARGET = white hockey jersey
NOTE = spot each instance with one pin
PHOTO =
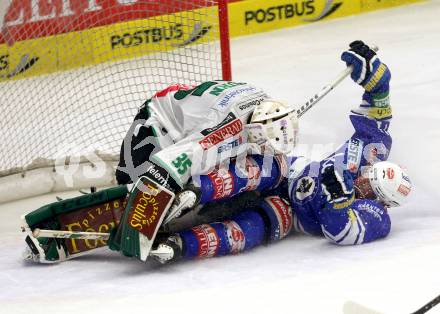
(200, 127)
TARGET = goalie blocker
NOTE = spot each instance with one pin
(147, 206)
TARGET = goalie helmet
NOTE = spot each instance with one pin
(390, 183)
(275, 123)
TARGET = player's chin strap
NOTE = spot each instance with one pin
(326, 89)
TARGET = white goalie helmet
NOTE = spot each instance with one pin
(275, 123)
(390, 183)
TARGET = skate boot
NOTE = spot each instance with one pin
(168, 250)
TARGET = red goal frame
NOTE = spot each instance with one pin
(224, 40)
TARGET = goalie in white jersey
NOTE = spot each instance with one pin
(186, 130)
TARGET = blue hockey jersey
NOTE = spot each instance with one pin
(346, 222)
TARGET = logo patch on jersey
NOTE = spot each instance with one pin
(305, 188)
(208, 240)
(216, 91)
(374, 210)
(354, 154)
(223, 183)
(228, 146)
(247, 106)
(235, 236)
(230, 117)
(229, 130)
(225, 101)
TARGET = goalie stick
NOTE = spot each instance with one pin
(61, 234)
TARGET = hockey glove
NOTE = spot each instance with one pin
(336, 187)
(368, 70)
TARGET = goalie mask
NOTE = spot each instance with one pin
(385, 181)
(274, 123)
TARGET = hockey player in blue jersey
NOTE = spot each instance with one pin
(344, 197)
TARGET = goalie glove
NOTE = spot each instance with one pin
(368, 71)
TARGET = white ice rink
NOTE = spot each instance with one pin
(300, 274)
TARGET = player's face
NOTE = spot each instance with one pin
(363, 188)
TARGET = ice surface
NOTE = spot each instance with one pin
(300, 274)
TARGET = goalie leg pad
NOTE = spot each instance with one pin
(95, 212)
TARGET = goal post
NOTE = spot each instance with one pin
(74, 73)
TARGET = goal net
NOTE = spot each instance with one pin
(74, 73)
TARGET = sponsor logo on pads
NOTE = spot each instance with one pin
(208, 240)
(223, 183)
(100, 218)
(148, 208)
(235, 236)
(225, 132)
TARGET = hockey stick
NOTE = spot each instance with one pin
(326, 89)
(41, 233)
(428, 306)
(351, 307)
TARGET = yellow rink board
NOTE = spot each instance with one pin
(132, 39)
(254, 16)
(114, 42)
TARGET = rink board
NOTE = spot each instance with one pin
(25, 55)
(126, 40)
(255, 16)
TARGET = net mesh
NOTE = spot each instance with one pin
(73, 77)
